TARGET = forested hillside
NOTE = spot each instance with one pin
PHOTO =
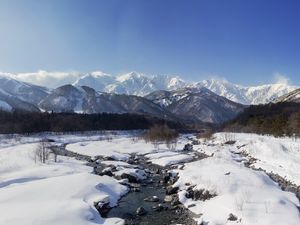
(277, 119)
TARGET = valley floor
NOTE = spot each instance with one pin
(230, 185)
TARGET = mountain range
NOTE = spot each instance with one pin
(211, 101)
(140, 84)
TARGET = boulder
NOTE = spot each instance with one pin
(171, 190)
(141, 211)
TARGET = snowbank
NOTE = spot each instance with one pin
(248, 194)
(53, 193)
(278, 155)
(117, 148)
(168, 158)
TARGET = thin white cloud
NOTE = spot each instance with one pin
(49, 79)
(280, 78)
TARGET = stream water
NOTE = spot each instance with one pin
(154, 185)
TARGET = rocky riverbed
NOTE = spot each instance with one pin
(149, 201)
(151, 196)
(153, 200)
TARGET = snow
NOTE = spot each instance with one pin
(247, 95)
(8, 140)
(125, 168)
(118, 148)
(5, 106)
(130, 83)
(116, 163)
(137, 173)
(277, 155)
(244, 192)
(293, 96)
(248, 194)
(60, 100)
(52, 193)
(65, 192)
(134, 83)
(168, 158)
(158, 155)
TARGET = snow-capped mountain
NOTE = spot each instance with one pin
(69, 98)
(260, 94)
(140, 84)
(97, 80)
(15, 94)
(131, 83)
(185, 104)
(22, 90)
(197, 104)
(293, 96)
(9, 102)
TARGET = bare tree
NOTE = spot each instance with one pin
(159, 134)
(42, 151)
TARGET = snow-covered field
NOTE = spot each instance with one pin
(277, 155)
(53, 193)
(64, 192)
(119, 147)
(248, 194)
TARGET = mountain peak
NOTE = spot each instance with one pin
(130, 76)
(98, 74)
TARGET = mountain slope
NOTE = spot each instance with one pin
(84, 99)
(20, 95)
(9, 102)
(97, 80)
(282, 118)
(22, 90)
(197, 104)
(293, 96)
(260, 94)
(139, 84)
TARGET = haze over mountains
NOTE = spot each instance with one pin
(213, 101)
(140, 84)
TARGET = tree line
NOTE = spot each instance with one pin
(277, 119)
(25, 122)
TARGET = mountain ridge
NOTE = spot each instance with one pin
(195, 102)
(135, 83)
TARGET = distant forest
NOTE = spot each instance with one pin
(277, 119)
(24, 122)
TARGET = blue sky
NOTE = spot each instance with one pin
(245, 41)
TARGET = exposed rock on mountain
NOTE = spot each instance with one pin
(9, 103)
(197, 104)
(84, 99)
(22, 90)
(139, 84)
(293, 96)
(17, 95)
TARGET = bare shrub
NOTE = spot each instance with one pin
(228, 137)
(42, 152)
(206, 135)
(160, 134)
